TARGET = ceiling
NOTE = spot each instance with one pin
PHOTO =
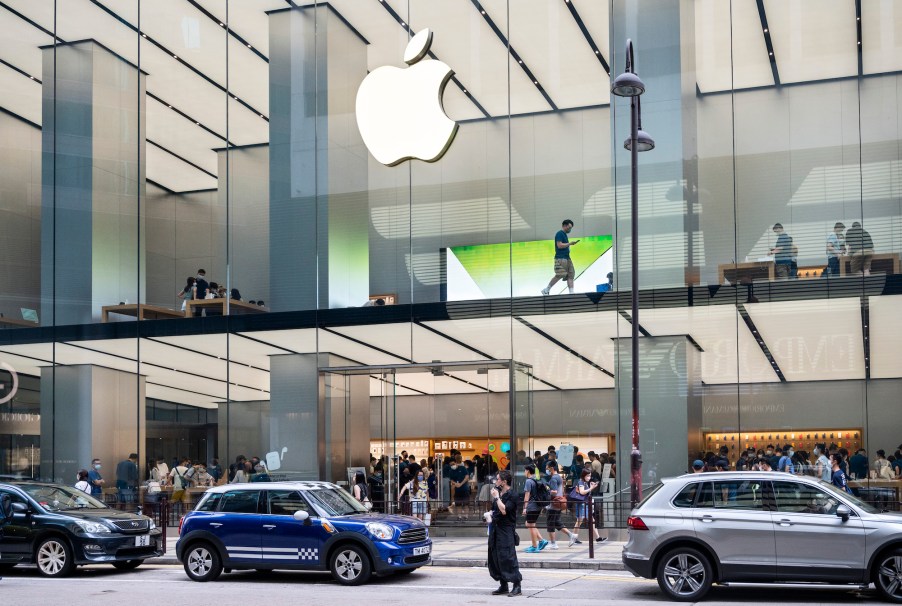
(548, 54)
(792, 341)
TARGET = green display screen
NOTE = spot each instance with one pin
(524, 268)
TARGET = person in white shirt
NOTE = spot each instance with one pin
(83, 484)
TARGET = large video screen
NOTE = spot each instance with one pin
(487, 271)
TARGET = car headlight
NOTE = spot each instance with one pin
(151, 525)
(93, 527)
(381, 531)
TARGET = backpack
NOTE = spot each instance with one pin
(541, 493)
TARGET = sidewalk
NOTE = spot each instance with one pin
(469, 552)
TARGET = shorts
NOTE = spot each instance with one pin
(553, 520)
(861, 261)
(563, 268)
(582, 510)
(418, 508)
(533, 516)
(179, 496)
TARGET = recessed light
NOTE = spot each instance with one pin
(170, 107)
(221, 25)
(483, 12)
(765, 30)
(198, 123)
(261, 115)
(249, 46)
(144, 35)
(175, 56)
(32, 77)
(771, 54)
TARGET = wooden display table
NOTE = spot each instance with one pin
(223, 307)
(140, 311)
(17, 323)
(882, 263)
(745, 273)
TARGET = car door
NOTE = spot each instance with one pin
(813, 543)
(287, 542)
(237, 524)
(731, 517)
(17, 532)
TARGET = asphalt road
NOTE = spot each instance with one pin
(165, 584)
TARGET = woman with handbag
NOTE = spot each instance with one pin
(581, 495)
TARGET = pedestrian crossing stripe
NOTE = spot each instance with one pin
(273, 553)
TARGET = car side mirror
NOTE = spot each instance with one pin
(301, 516)
(20, 508)
(843, 512)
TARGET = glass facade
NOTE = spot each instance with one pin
(152, 153)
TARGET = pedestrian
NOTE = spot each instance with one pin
(532, 509)
(235, 467)
(563, 265)
(582, 496)
(180, 482)
(419, 495)
(160, 471)
(502, 560)
(460, 484)
(127, 480)
(858, 464)
(187, 292)
(838, 477)
(822, 466)
(836, 248)
(786, 461)
(698, 466)
(861, 249)
(83, 484)
(201, 286)
(361, 491)
(96, 479)
(215, 471)
(552, 513)
(782, 252)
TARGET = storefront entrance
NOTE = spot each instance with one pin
(460, 422)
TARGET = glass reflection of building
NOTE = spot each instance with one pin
(142, 141)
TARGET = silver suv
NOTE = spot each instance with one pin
(764, 527)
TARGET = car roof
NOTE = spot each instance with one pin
(302, 485)
(745, 475)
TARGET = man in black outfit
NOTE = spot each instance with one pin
(503, 564)
(200, 289)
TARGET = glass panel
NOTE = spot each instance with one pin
(239, 501)
(795, 497)
(747, 495)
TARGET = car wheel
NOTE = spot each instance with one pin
(127, 564)
(54, 558)
(888, 576)
(684, 574)
(350, 565)
(202, 563)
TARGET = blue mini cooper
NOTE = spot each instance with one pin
(297, 525)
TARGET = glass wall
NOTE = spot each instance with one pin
(198, 214)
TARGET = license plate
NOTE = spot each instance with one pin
(142, 541)
(422, 550)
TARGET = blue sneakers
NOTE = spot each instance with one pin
(531, 549)
(542, 544)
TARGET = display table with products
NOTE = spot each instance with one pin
(800, 439)
(17, 323)
(881, 263)
(140, 311)
(883, 494)
(222, 307)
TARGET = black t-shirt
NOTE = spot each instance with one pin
(201, 287)
(510, 507)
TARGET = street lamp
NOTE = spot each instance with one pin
(628, 84)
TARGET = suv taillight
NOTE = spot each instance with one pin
(181, 521)
(636, 523)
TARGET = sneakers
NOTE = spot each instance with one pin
(546, 291)
(531, 549)
(573, 540)
(553, 546)
(577, 541)
(542, 545)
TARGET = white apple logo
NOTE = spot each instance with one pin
(399, 111)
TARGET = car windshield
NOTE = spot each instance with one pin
(849, 497)
(335, 502)
(59, 498)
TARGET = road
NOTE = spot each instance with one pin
(162, 584)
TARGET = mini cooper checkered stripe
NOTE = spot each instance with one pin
(273, 553)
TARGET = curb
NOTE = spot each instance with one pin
(479, 563)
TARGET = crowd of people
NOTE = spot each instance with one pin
(198, 288)
(854, 243)
(832, 464)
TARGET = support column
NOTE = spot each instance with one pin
(319, 204)
(93, 177)
(663, 34)
(90, 412)
(324, 422)
(670, 406)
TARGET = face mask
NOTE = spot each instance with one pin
(420, 478)
(97, 466)
(770, 452)
(548, 472)
(454, 466)
(790, 453)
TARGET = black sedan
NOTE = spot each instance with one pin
(58, 528)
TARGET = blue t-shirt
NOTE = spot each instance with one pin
(784, 243)
(93, 476)
(561, 253)
(838, 479)
(785, 462)
(556, 484)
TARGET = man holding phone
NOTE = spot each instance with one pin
(563, 266)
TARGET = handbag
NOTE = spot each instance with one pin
(575, 495)
(367, 504)
(559, 503)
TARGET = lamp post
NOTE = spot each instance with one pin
(628, 84)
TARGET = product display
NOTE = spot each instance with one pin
(801, 439)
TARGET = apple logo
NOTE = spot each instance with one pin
(399, 111)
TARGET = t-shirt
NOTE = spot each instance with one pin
(837, 242)
(509, 519)
(784, 243)
(556, 484)
(858, 466)
(417, 495)
(530, 488)
(823, 460)
(786, 462)
(858, 240)
(458, 475)
(838, 479)
(561, 253)
(178, 477)
(200, 288)
(94, 476)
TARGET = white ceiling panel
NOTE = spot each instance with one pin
(239, 349)
(886, 335)
(881, 36)
(730, 54)
(813, 340)
(380, 388)
(163, 392)
(20, 95)
(428, 383)
(176, 133)
(302, 340)
(591, 335)
(170, 172)
(397, 338)
(247, 18)
(813, 39)
(20, 41)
